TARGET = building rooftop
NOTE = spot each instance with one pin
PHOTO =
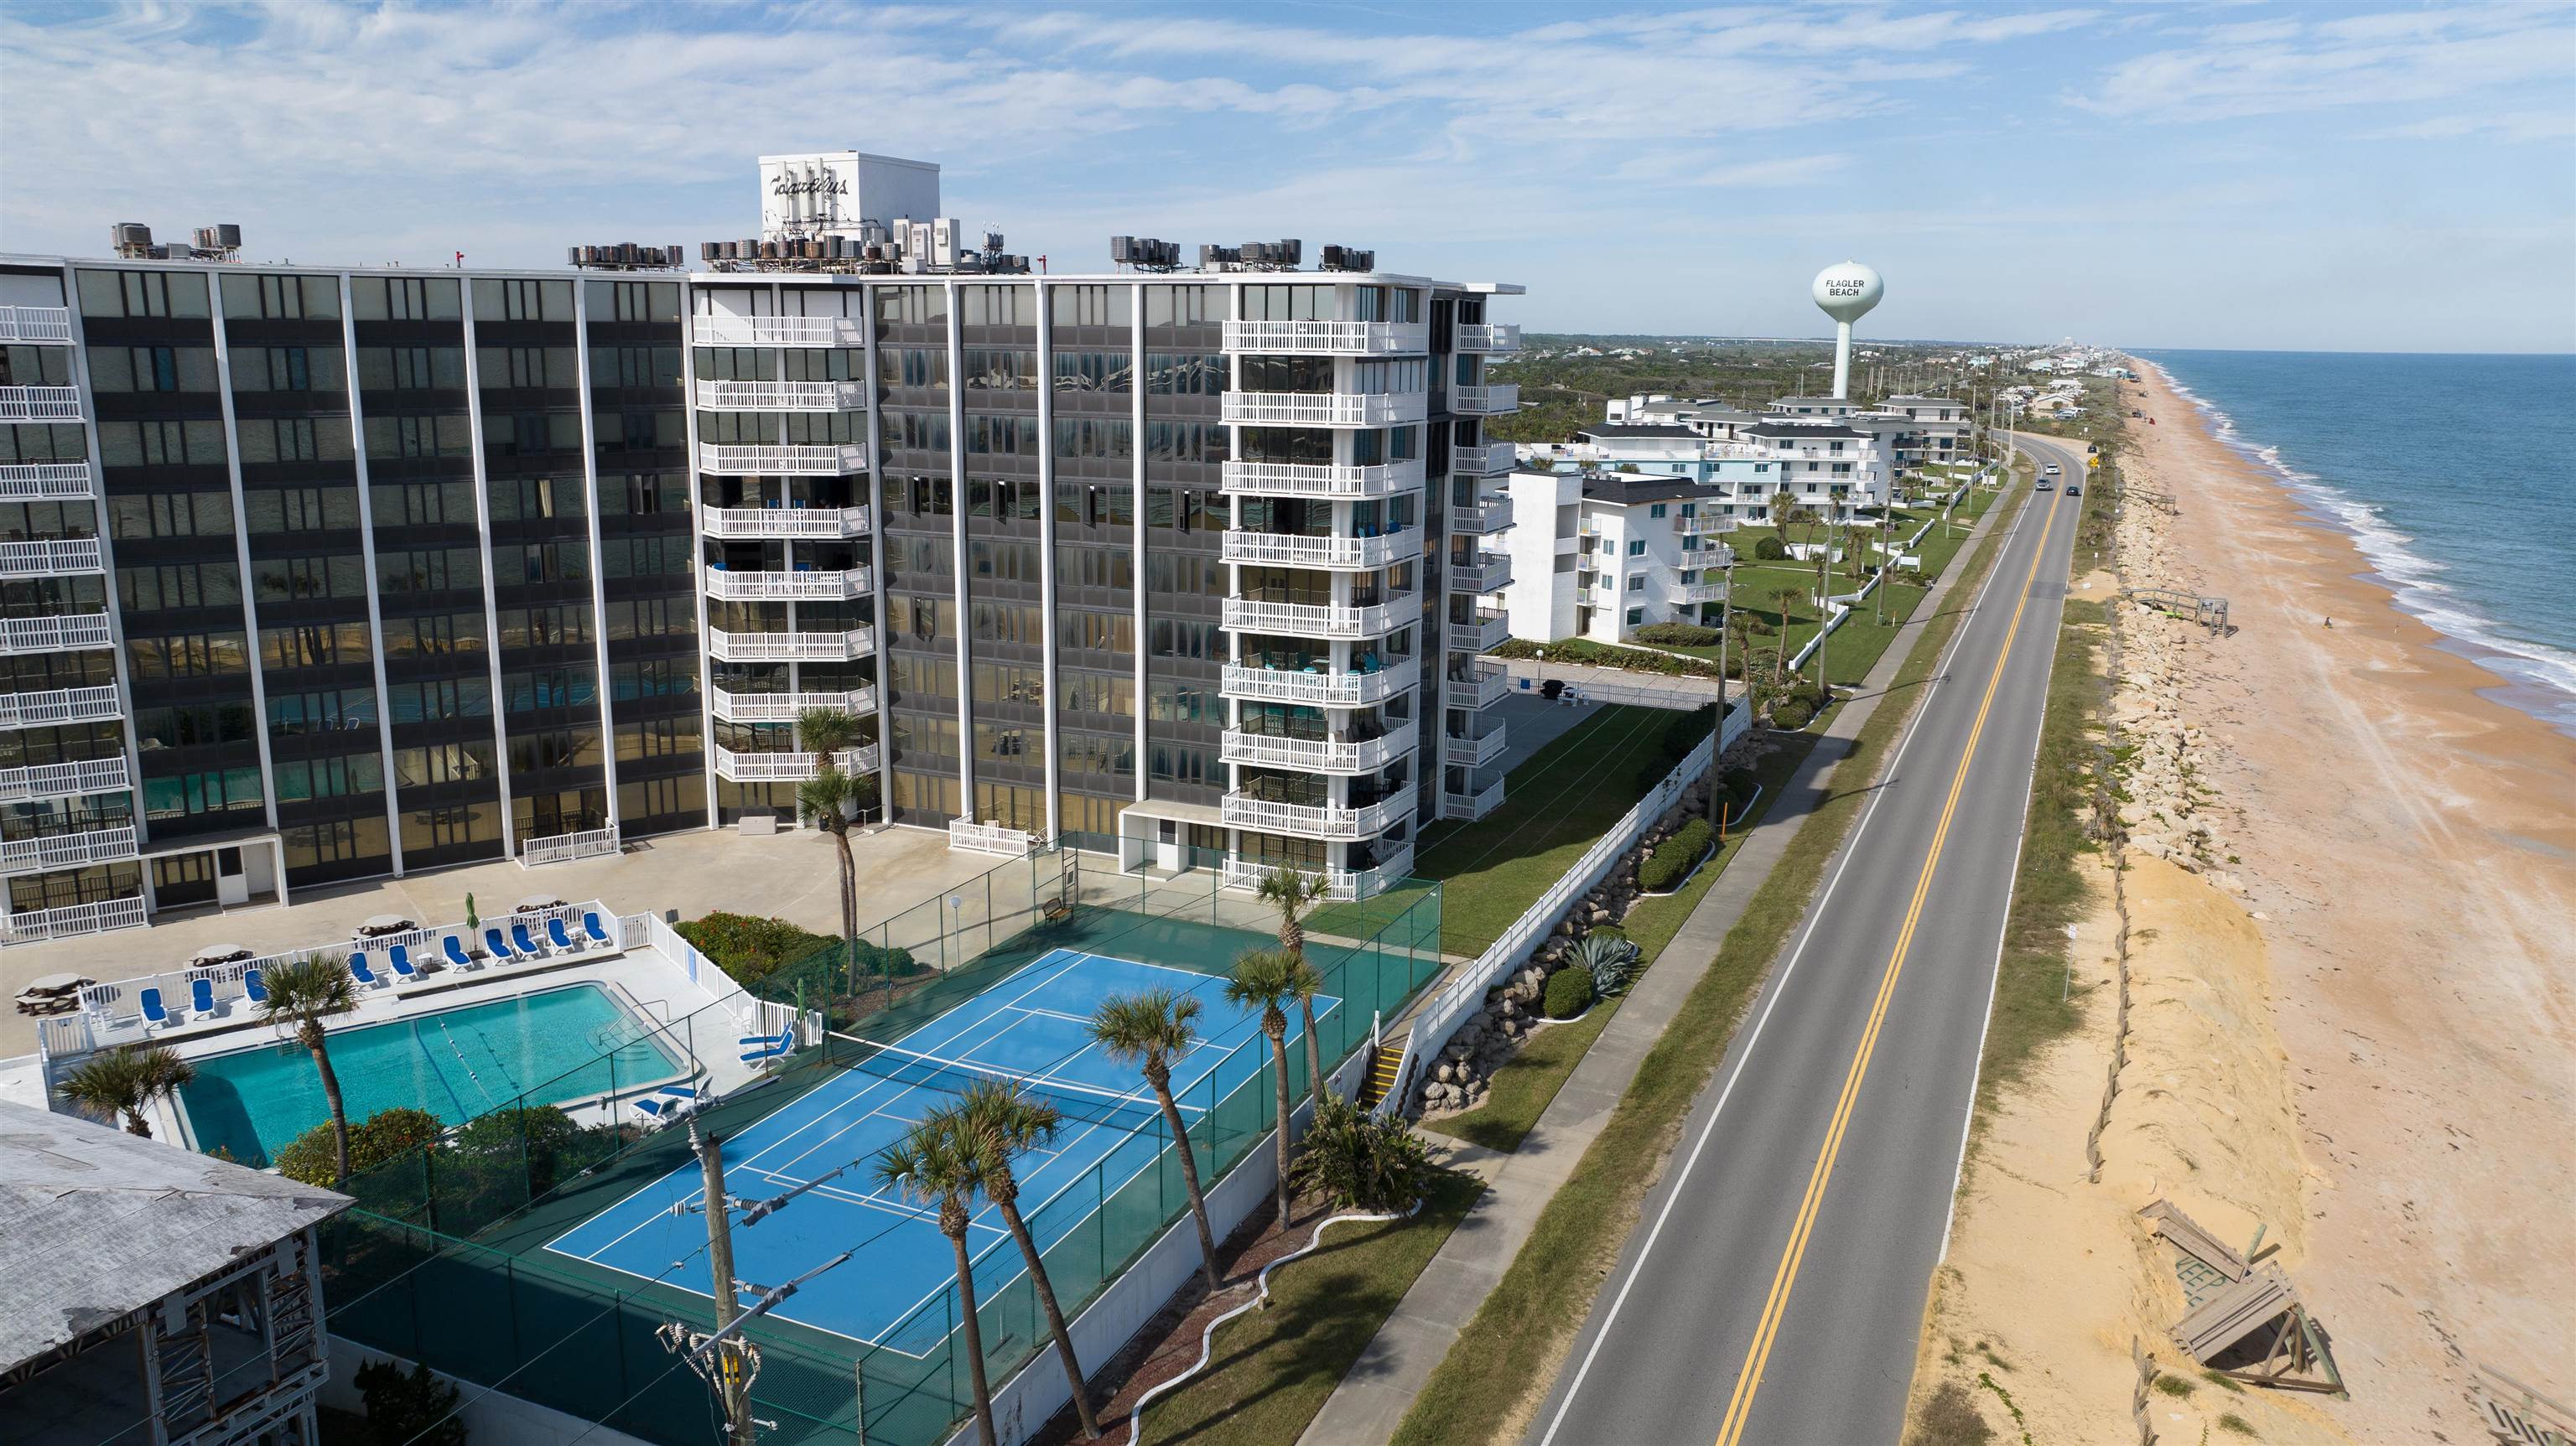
(1639, 432)
(102, 1223)
(1789, 428)
(1623, 489)
(1779, 402)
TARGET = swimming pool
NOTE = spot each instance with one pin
(567, 1043)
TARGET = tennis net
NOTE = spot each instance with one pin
(1132, 1111)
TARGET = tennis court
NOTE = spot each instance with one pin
(1032, 1026)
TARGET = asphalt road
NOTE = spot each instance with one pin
(1774, 1287)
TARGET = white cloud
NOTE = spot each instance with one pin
(2276, 67)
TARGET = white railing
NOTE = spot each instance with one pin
(840, 647)
(1472, 806)
(59, 705)
(1341, 885)
(1327, 820)
(1701, 525)
(1488, 337)
(1308, 479)
(40, 404)
(788, 767)
(1484, 631)
(822, 460)
(1320, 755)
(808, 585)
(1478, 751)
(37, 925)
(36, 323)
(1486, 688)
(61, 554)
(1491, 571)
(1292, 550)
(1488, 400)
(1694, 592)
(65, 850)
(1489, 460)
(1486, 514)
(68, 1037)
(563, 848)
(717, 329)
(1320, 690)
(826, 522)
(20, 481)
(1325, 409)
(1465, 993)
(783, 707)
(62, 780)
(1312, 620)
(988, 838)
(1335, 338)
(781, 396)
(53, 634)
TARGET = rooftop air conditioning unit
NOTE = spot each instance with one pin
(1122, 249)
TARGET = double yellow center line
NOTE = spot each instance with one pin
(1739, 1407)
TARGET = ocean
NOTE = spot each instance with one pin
(2456, 476)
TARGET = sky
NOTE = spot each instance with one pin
(2379, 176)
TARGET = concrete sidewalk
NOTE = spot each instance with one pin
(1382, 1384)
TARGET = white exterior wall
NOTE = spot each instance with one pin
(1540, 599)
(1660, 566)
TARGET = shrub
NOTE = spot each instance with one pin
(1739, 784)
(1790, 715)
(1675, 857)
(1769, 549)
(1949, 1418)
(1357, 1159)
(411, 1406)
(757, 951)
(1678, 635)
(1610, 957)
(382, 1136)
(1569, 992)
(521, 1154)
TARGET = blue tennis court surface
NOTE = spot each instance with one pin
(1033, 1025)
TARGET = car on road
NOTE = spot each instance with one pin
(2046, 486)
(2074, 490)
(2052, 469)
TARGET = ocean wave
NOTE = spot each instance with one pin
(2413, 578)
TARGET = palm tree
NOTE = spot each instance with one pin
(126, 1081)
(1267, 978)
(1150, 1030)
(935, 1164)
(1293, 893)
(829, 798)
(1782, 504)
(301, 994)
(1004, 1122)
(1784, 596)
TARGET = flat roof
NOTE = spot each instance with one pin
(1640, 431)
(1628, 488)
(1791, 428)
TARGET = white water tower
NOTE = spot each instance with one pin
(1846, 293)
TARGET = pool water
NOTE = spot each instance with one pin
(561, 1044)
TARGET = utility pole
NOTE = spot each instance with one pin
(733, 1380)
(1717, 739)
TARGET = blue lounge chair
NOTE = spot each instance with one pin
(153, 1013)
(590, 926)
(667, 1104)
(500, 947)
(555, 934)
(401, 956)
(762, 1048)
(201, 995)
(527, 946)
(456, 953)
(359, 971)
(254, 986)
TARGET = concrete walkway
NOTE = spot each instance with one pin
(1381, 1386)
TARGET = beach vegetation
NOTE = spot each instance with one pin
(1358, 1159)
(125, 1081)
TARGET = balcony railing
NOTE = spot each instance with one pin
(782, 396)
(1694, 592)
(1491, 399)
(1329, 338)
(60, 705)
(834, 585)
(783, 707)
(825, 460)
(1339, 884)
(1327, 820)
(1472, 805)
(1490, 460)
(1316, 755)
(1489, 338)
(39, 559)
(55, 634)
(36, 323)
(711, 329)
(70, 922)
(1296, 551)
(1486, 685)
(64, 780)
(1324, 409)
(69, 850)
(1303, 479)
(834, 647)
(1702, 525)
(563, 848)
(1483, 631)
(40, 404)
(1487, 573)
(810, 522)
(1491, 513)
(44, 481)
(1478, 751)
(1320, 689)
(1313, 620)
(788, 767)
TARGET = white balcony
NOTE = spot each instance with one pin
(40, 404)
(1325, 409)
(1471, 806)
(1329, 338)
(785, 522)
(1301, 479)
(833, 647)
(782, 396)
(55, 634)
(716, 329)
(1319, 690)
(1490, 460)
(1295, 551)
(43, 559)
(1316, 820)
(836, 585)
(1702, 525)
(1694, 592)
(1339, 884)
(1314, 620)
(1488, 573)
(45, 481)
(70, 922)
(1486, 685)
(1488, 338)
(1478, 751)
(1317, 755)
(1491, 513)
(783, 707)
(36, 324)
(60, 705)
(69, 850)
(1489, 400)
(1483, 631)
(788, 767)
(64, 780)
(821, 460)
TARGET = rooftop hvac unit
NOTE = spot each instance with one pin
(916, 242)
(1295, 251)
(1332, 258)
(945, 233)
(711, 250)
(590, 256)
(130, 237)
(572, 256)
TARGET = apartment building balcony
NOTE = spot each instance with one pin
(45, 482)
(60, 705)
(1303, 479)
(1325, 409)
(65, 780)
(1597, 595)
(1314, 620)
(1294, 550)
(715, 329)
(1392, 867)
(36, 324)
(1319, 689)
(1490, 572)
(784, 707)
(1488, 338)
(43, 559)
(1330, 820)
(35, 926)
(1482, 631)
(56, 634)
(1485, 685)
(803, 585)
(788, 767)
(1480, 797)
(69, 850)
(1489, 400)
(1695, 592)
(40, 404)
(824, 460)
(1487, 514)
(831, 647)
(784, 522)
(1492, 459)
(1317, 755)
(1702, 525)
(782, 396)
(1477, 749)
(1328, 338)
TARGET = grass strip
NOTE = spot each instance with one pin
(1505, 1358)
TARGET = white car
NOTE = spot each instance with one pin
(2052, 469)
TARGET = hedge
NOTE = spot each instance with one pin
(752, 950)
(1569, 992)
(384, 1135)
(1675, 857)
(1679, 635)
